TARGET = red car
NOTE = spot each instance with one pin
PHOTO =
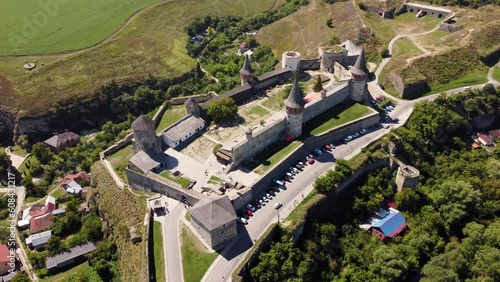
(310, 161)
(328, 147)
(249, 212)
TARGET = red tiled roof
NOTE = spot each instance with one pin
(4, 254)
(76, 177)
(494, 133)
(41, 222)
(485, 138)
(475, 145)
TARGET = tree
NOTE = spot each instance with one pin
(23, 141)
(318, 86)
(387, 265)
(489, 88)
(455, 201)
(53, 246)
(487, 264)
(223, 110)
(4, 162)
(329, 23)
(325, 183)
(252, 42)
(21, 277)
(42, 152)
(408, 200)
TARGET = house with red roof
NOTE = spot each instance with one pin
(494, 134)
(386, 224)
(40, 223)
(77, 177)
(484, 139)
(4, 260)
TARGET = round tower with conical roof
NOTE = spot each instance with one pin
(246, 72)
(145, 138)
(359, 76)
(294, 108)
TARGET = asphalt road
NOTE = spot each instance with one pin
(171, 243)
(236, 250)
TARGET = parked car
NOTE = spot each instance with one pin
(261, 202)
(278, 205)
(311, 161)
(245, 215)
(319, 151)
(379, 98)
(264, 198)
(275, 189)
(363, 131)
(296, 170)
(356, 135)
(328, 147)
(314, 153)
(332, 146)
(249, 212)
(251, 207)
(290, 176)
(269, 196)
(299, 167)
(385, 126)
(242, 220)
(301, 163)
(271, 192)
(348, 138)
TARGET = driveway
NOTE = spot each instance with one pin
(171, 244)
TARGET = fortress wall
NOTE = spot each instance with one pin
(272, 81)
(407, 91)
(449, 27)
(340, 71)
(199, 98)
(151, 182)
(262, 137)
(337, 95)
(427, 10)
(309, 64)
(309, 144)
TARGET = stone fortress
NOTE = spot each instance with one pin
(348, 64)
(214, 217)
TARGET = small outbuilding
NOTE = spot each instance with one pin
(38, 241)
(182, 130)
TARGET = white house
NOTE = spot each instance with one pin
(182, 130)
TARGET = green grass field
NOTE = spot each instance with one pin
(339, 115)
(25, 166)
(496, 73)
(32, 27)
(402, 49)
(77, 273)
(158, 251)
(275, 153)
(476, 77)
(195, 258)
(153, 43)
(184, 182)
(170, 117)
(119, 161)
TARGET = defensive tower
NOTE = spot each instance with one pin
(294, 108)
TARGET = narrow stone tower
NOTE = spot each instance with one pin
(145, 138)
(246, 72)
(294, 108)
(407, 177)
(359, 75)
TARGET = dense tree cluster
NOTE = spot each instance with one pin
(453, 215)
(223, 110)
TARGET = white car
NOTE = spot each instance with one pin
(385, 126)
(268, 196)
(242, 220)
(278, 205)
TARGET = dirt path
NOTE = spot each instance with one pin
(66, 54)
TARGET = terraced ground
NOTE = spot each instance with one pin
(153, 43)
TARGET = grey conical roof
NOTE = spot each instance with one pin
(359, 67)
(247, 67)
(295, 99)
(143, 123)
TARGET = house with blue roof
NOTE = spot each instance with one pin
(386, 224)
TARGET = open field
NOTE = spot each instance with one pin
(338, 115)
(158, 251)
(170, 116)
(153, 43)
(274, 153)
(58, 26)
(472, 78)
(195, 257)
(73, 274)
(119, 161)
(305, 30)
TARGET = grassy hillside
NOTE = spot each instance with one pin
(444, 67)
(59, 27)
(305, 30)
(122, 210)
(402, 50)
(153, 43)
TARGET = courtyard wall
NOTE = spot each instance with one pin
(334, 96)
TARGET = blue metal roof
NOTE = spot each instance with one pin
(390, 223)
